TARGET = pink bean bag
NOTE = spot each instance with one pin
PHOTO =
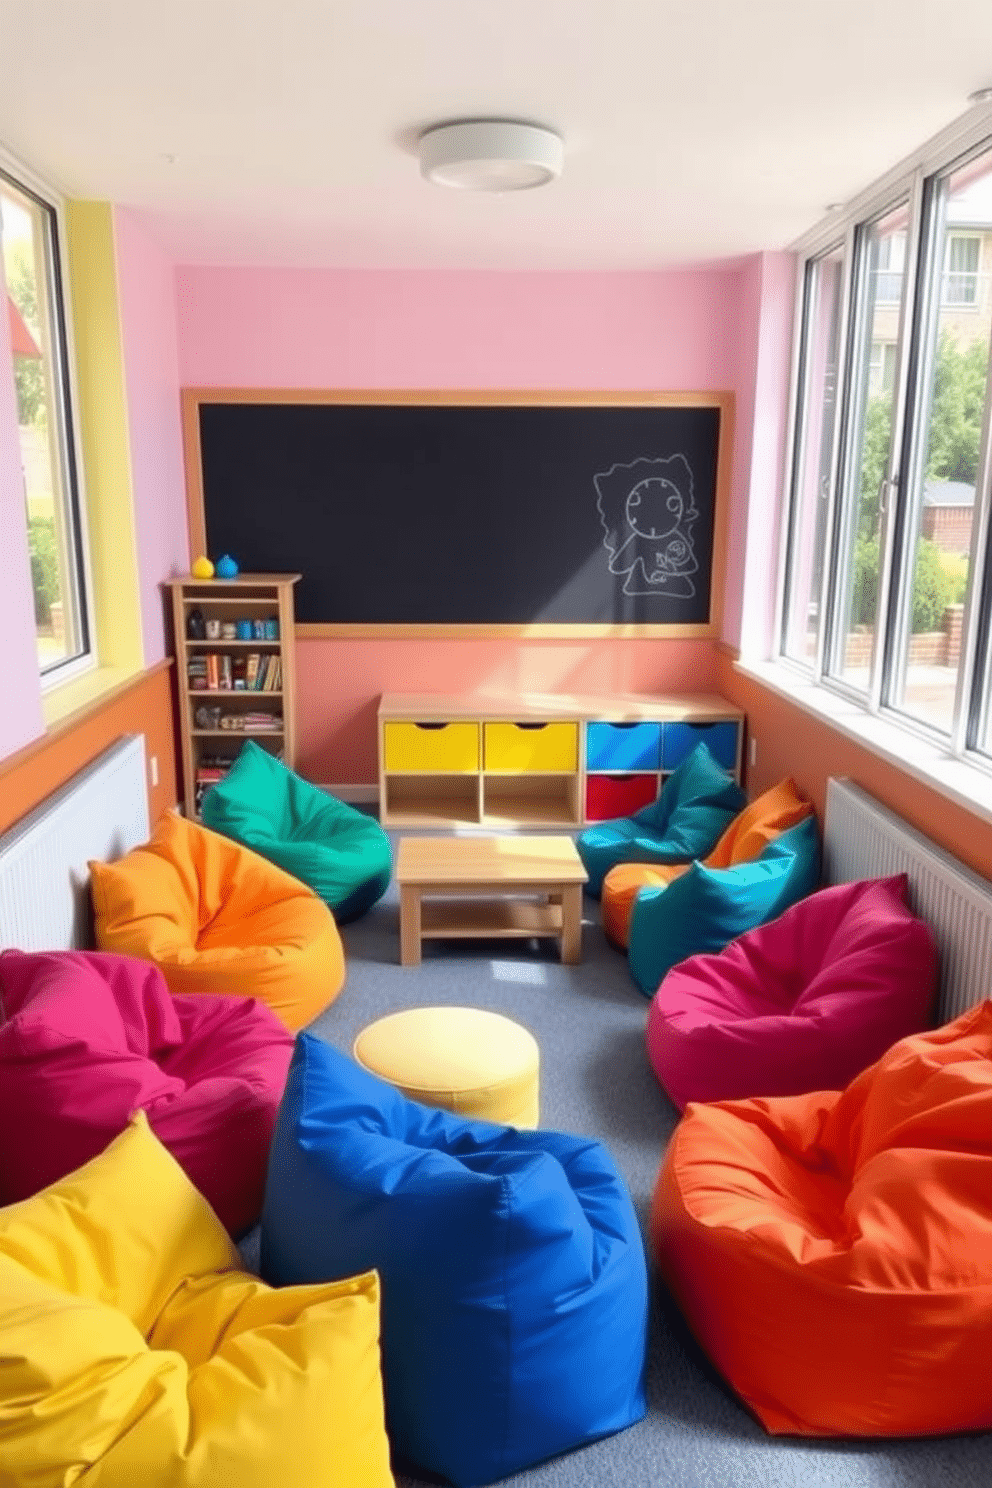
(803, 1003)
(88, 1038)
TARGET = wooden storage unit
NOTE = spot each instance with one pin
(215, 718)
(539, 761)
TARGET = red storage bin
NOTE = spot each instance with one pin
(618, 795)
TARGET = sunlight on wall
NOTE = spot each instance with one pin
(104, 435)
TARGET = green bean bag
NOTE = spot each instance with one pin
(339, 852)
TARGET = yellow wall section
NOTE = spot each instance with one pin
(103, 425)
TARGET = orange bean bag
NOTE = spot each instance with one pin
(767, 817)
(216, 917)
(832, 1252)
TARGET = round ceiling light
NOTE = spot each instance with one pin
(490, 155)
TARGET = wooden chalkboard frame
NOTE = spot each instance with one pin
(192, 398)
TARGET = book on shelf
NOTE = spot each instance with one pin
(251, 670)
(196, 673)
(226, 673)
(213, 760)
(258, 723)
(213, 671)
(210, 770)
(273, 679)
(264, 666)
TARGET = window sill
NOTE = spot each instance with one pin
(966, 784)
(62, 704)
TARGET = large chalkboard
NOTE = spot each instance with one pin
(468, 513)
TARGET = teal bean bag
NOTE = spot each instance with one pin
(706, 908)
(696, 804)
(335, 849)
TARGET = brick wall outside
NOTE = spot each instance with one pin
(949, 527)
(929, 648)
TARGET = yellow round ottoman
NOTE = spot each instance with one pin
(478, 1064)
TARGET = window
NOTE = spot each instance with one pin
(814, 458)
(882, 371)
(35, 309)
(961, 273)
(888, 575)
(868, 431)
(888, 266)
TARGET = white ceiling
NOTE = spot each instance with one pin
(252, 132)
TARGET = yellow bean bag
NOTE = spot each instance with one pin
(767, 817)
(216, 917)
(135, 1351)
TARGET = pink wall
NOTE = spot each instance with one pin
(339, 329)
(20, 713)
(146, 295)
(755, 525)
(335, 328)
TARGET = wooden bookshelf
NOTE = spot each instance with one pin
(218, 710)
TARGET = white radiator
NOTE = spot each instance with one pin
(102, 812)
(863, 839)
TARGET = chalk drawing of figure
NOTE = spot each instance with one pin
(647, 510)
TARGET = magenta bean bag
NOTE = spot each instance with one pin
(88, 1038)
(803, 1003)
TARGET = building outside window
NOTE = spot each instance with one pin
(882, 370)
(887, 596)
(890, 255)
(35, 307)
(961, 273)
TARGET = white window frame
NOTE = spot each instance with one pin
(951, 766)
(67, 435)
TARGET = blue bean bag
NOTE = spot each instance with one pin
(512, 1266)
(697, 802)
(339, 852)
(706, 908)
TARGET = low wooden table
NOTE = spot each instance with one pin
(490, 887)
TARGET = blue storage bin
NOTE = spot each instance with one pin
(680, 739)
(623, 746)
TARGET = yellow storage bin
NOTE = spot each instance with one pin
(531, 746)
(431, 746)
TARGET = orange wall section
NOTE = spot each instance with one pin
(143, 705)
(791, 742)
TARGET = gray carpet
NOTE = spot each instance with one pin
(596, 1080)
